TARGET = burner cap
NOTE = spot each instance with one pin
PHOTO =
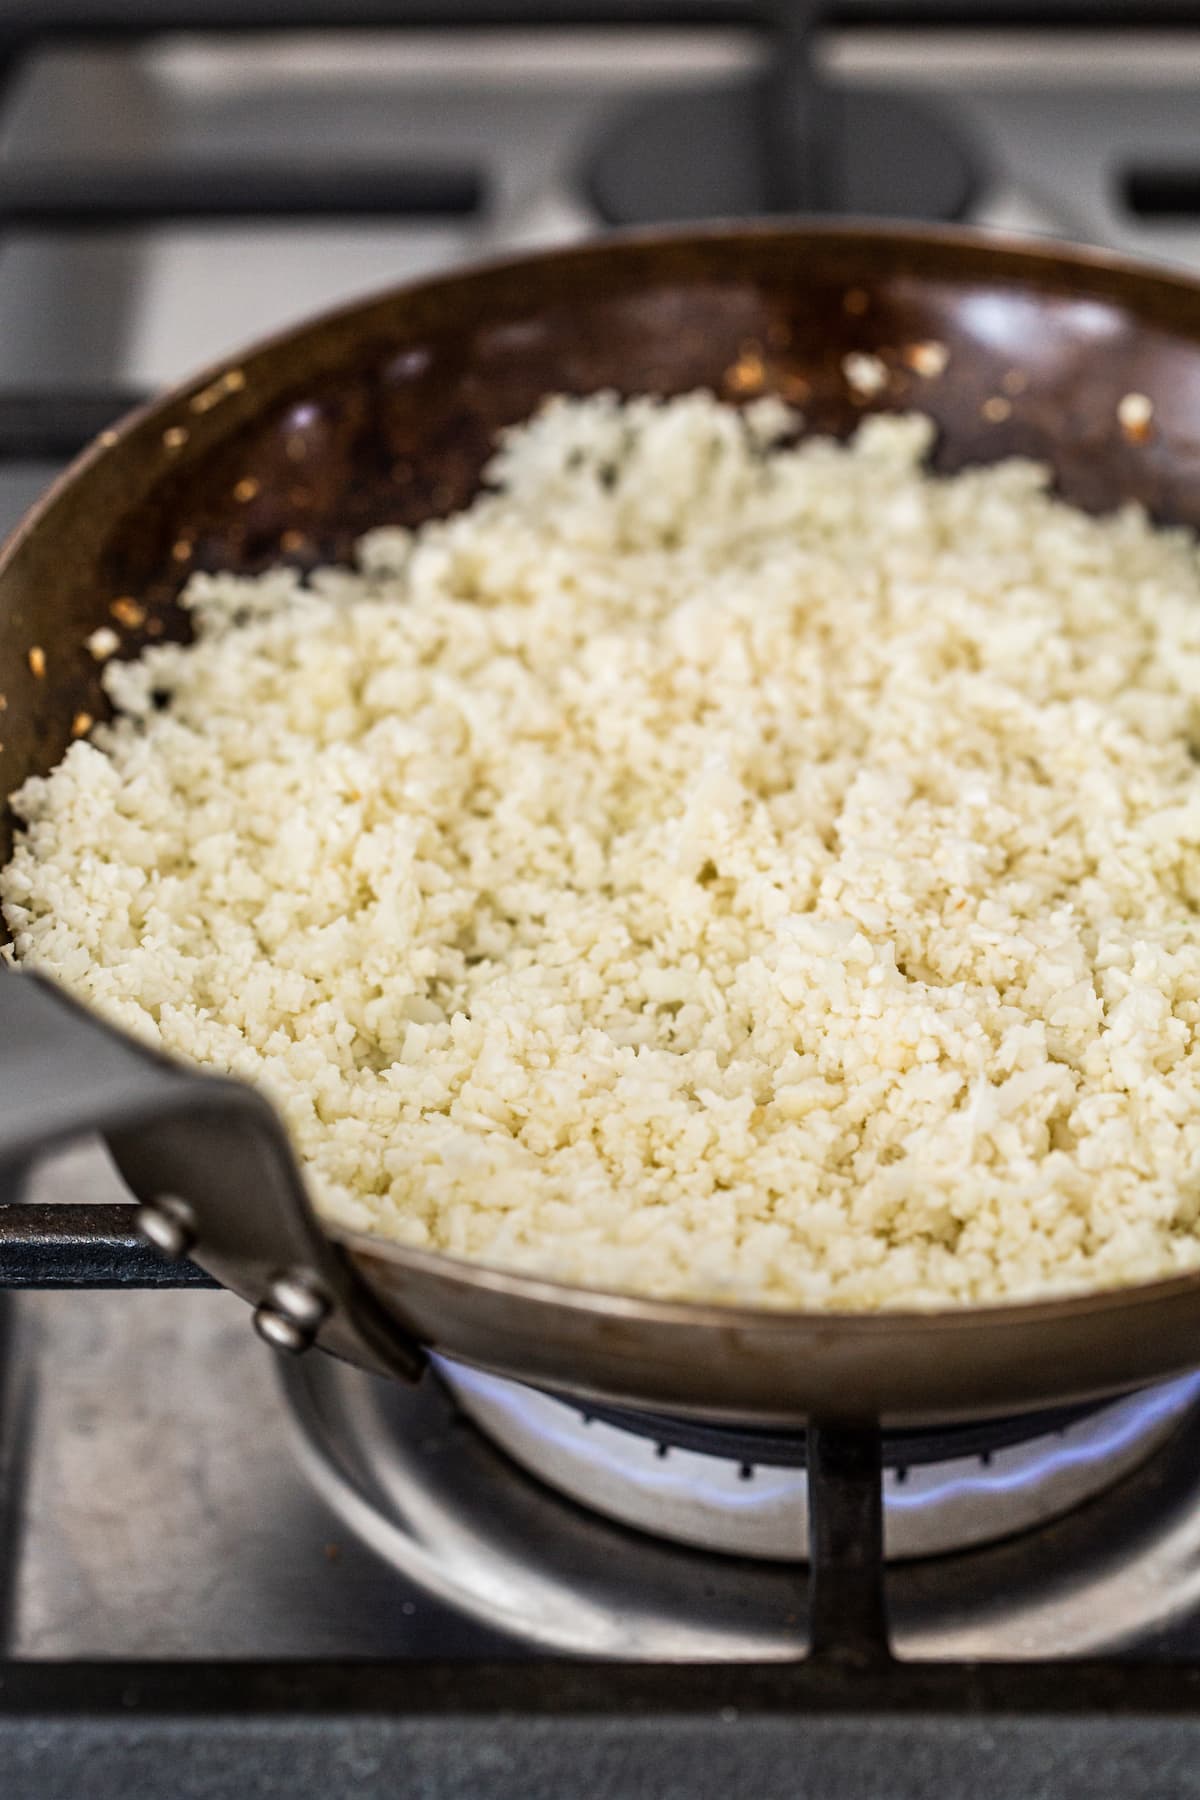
(696, 155)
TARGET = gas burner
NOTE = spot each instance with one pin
(710, 154)
(423, 1487)
(745, 1493)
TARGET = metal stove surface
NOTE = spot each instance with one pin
(165, 1510)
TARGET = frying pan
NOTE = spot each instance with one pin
(383, 412)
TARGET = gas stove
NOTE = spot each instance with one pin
(221, 1572)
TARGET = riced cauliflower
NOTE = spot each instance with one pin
(710, 865)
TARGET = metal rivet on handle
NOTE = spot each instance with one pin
(292, 1313)
(169, 1225)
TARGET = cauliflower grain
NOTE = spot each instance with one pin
(710, 865)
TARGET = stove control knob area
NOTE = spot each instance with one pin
(292, 1313)
(169, 1224)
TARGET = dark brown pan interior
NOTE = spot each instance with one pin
(384, 413)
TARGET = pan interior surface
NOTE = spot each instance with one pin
(384, 413)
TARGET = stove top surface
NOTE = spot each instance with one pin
(175, 1498)
(1057, 124)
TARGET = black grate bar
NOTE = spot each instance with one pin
(50, 426)
(30, 19)
(847, 1610)
(540, 1688)
(1158, 192)
(86, 196)
(25, 20)
(15, 1407)
(83, 1247)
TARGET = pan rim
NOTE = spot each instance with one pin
(626, 1304)
(851, 229)
(1015, 249)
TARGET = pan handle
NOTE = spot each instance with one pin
(210, 1161)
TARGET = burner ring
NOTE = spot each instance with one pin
(761, 1447)
(444, 1507)
(745, 1493)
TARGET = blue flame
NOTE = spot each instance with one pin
(540, 1415)
(1131, 1420)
